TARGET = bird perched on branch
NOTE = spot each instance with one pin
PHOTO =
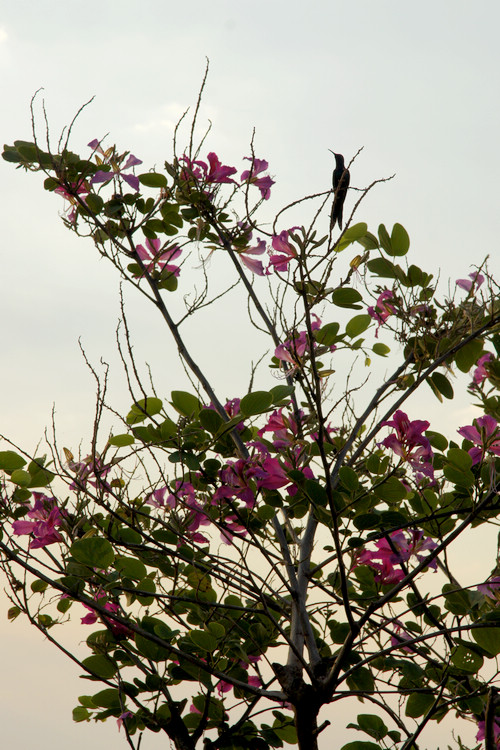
(340, 180)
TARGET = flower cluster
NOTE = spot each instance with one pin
(393, 550)
(45, 517)
(409, 442)
(117, 167)
(485, 435)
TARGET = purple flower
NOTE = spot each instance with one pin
(157, 258)
(382, 309)
(213, 172)
(250, 175)
(252, 263)
(409, 443)
(285, 252)
(117, 170)
(386, 559)
(484, 433)
(481, 372)
(46, 517)
(496, 731)
(476, 279)
(490, 588)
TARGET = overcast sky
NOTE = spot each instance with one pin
(415, 84)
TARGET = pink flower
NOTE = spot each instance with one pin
(490, 588)
(409, 443)
(213, 172)
(283, 428)
(46, 518)
(270, 474)
(116, 628)
(122, 718)
(108, 157)
(386, 561)
(253, 264)
(285, 252)
(382, 309)
(156, 258)
(481, 372)
(293, 350)
(250, 175)
(496, 731)
(76, 188)
(400, 635)
(476, 279)
(484, 433)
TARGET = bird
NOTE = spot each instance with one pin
(340, 181)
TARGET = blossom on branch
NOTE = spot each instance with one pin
(117, 170)
(45, 517)
(382, 309)
(393, 550)
(486, 436)
(481, 372)
(156, 258)
(214, 172)
(472, 283)
(285, 252)
(264, 183)
(246, 257)
(410, 443)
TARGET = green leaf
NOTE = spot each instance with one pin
(120, 441)
(185, 403)
(392, 491)
(13, 612)
(210, 420)
(95, 203)
(280, 392)
(459, 458)
(109, 698)
(353, 234)
(21, 477)
(81, 714)
(400, 241)
(385, 240)
(488, 638)
(256, 403)
(418, 704)
(327, 334)
(382, 267)
(466, 659)
(381, 349)
(361, 680)
(130, 567)
(100, 666)
(349, 478)
(93, 551)
(467, 356)
(10, 461)
(344, 296)
(153, 180)
(372, 725)
(458, 601)
(357, 325)
(146, 407)
(316, 492)
(204, 640)
(360, 745)
(442, 384)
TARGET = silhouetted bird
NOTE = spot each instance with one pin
(341, 178)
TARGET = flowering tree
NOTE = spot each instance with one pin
(239, 567)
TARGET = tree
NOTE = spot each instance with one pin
(247, 564)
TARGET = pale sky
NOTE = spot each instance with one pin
(415, 84)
